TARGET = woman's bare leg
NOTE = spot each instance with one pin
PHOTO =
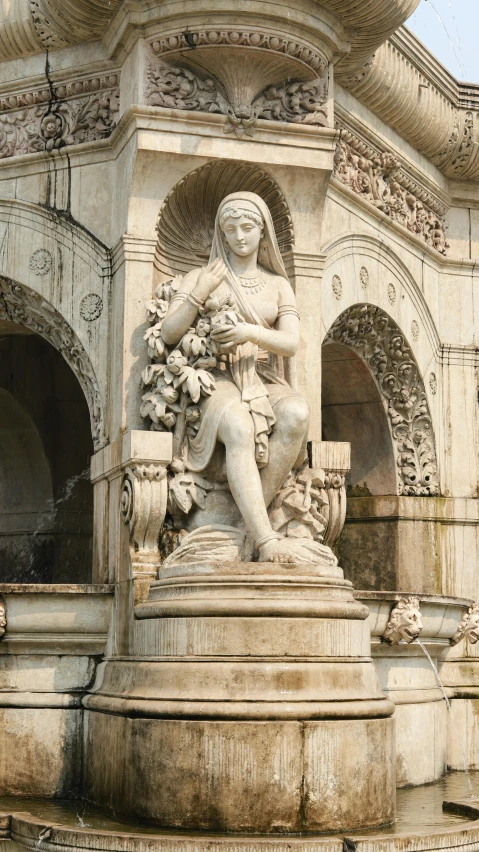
(285, 442)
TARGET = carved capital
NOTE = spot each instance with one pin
(143, 506)
(3, 619)
(468, 627)
(405, 621)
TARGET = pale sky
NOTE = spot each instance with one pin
(450, 29)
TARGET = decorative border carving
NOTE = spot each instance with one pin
(379, 178)
(248, 38)
(379, 342)
(67, 114)
(21, 305)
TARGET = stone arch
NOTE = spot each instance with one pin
(21, 305)
(374, 336)
(186, 219)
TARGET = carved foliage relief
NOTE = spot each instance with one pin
(380, 180)
(297, 101)
(379, 342)
(20, 305)
(53, 117)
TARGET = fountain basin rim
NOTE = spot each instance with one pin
(26, 829)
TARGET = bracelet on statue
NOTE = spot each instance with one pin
(197, 303)
(257, 337)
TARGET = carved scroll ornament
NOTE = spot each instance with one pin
(380, 343)
(468, 627)
(143, 506)
(380, 180)
(405, 621)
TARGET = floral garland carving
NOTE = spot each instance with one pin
(380, 343)
(71, 113)
(20, 305)
(380, 180)
(298, 102)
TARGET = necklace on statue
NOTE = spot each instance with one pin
(254, 283)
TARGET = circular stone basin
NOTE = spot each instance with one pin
(422, 824)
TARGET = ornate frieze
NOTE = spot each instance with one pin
(21, 305)
(380, 343)
(379, 178)
(69, 113)
(405, 621)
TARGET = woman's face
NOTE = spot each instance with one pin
(242, 235)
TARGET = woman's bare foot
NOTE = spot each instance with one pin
(274, 550)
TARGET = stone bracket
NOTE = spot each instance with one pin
(334, 457)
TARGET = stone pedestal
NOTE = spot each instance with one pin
(250, 704)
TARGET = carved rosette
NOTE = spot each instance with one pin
(3, 619)
(258, 76)
(468, 627)
(405, 621)
(378, 177)
(143, 506)
(383, 347)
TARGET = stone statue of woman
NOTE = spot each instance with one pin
(259, 419)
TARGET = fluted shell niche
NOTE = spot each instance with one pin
(186, 222)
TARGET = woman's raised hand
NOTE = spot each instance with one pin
(209, 279)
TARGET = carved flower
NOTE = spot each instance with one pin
(175, 362)
(192, 414)
(203, 327)
(156, 346)
(169, 394)
(193, 345)
(156, 309)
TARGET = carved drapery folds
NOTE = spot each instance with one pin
(232, 83)
(382, 346)
(143, 506)
(68, 114)
(21, 305)
(468, 627)
(405, 621)
(377, 176)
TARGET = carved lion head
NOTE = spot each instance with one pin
(405, 621)
(468, 626)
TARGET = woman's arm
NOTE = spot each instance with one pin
(197, 286)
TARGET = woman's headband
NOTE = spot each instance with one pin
(240, 207)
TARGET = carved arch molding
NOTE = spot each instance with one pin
(21, 305)
(379, 342)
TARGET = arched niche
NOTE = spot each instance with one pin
(374, 337)
(373, 396)
(46, 498)
(186, 221)
(23, 306)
